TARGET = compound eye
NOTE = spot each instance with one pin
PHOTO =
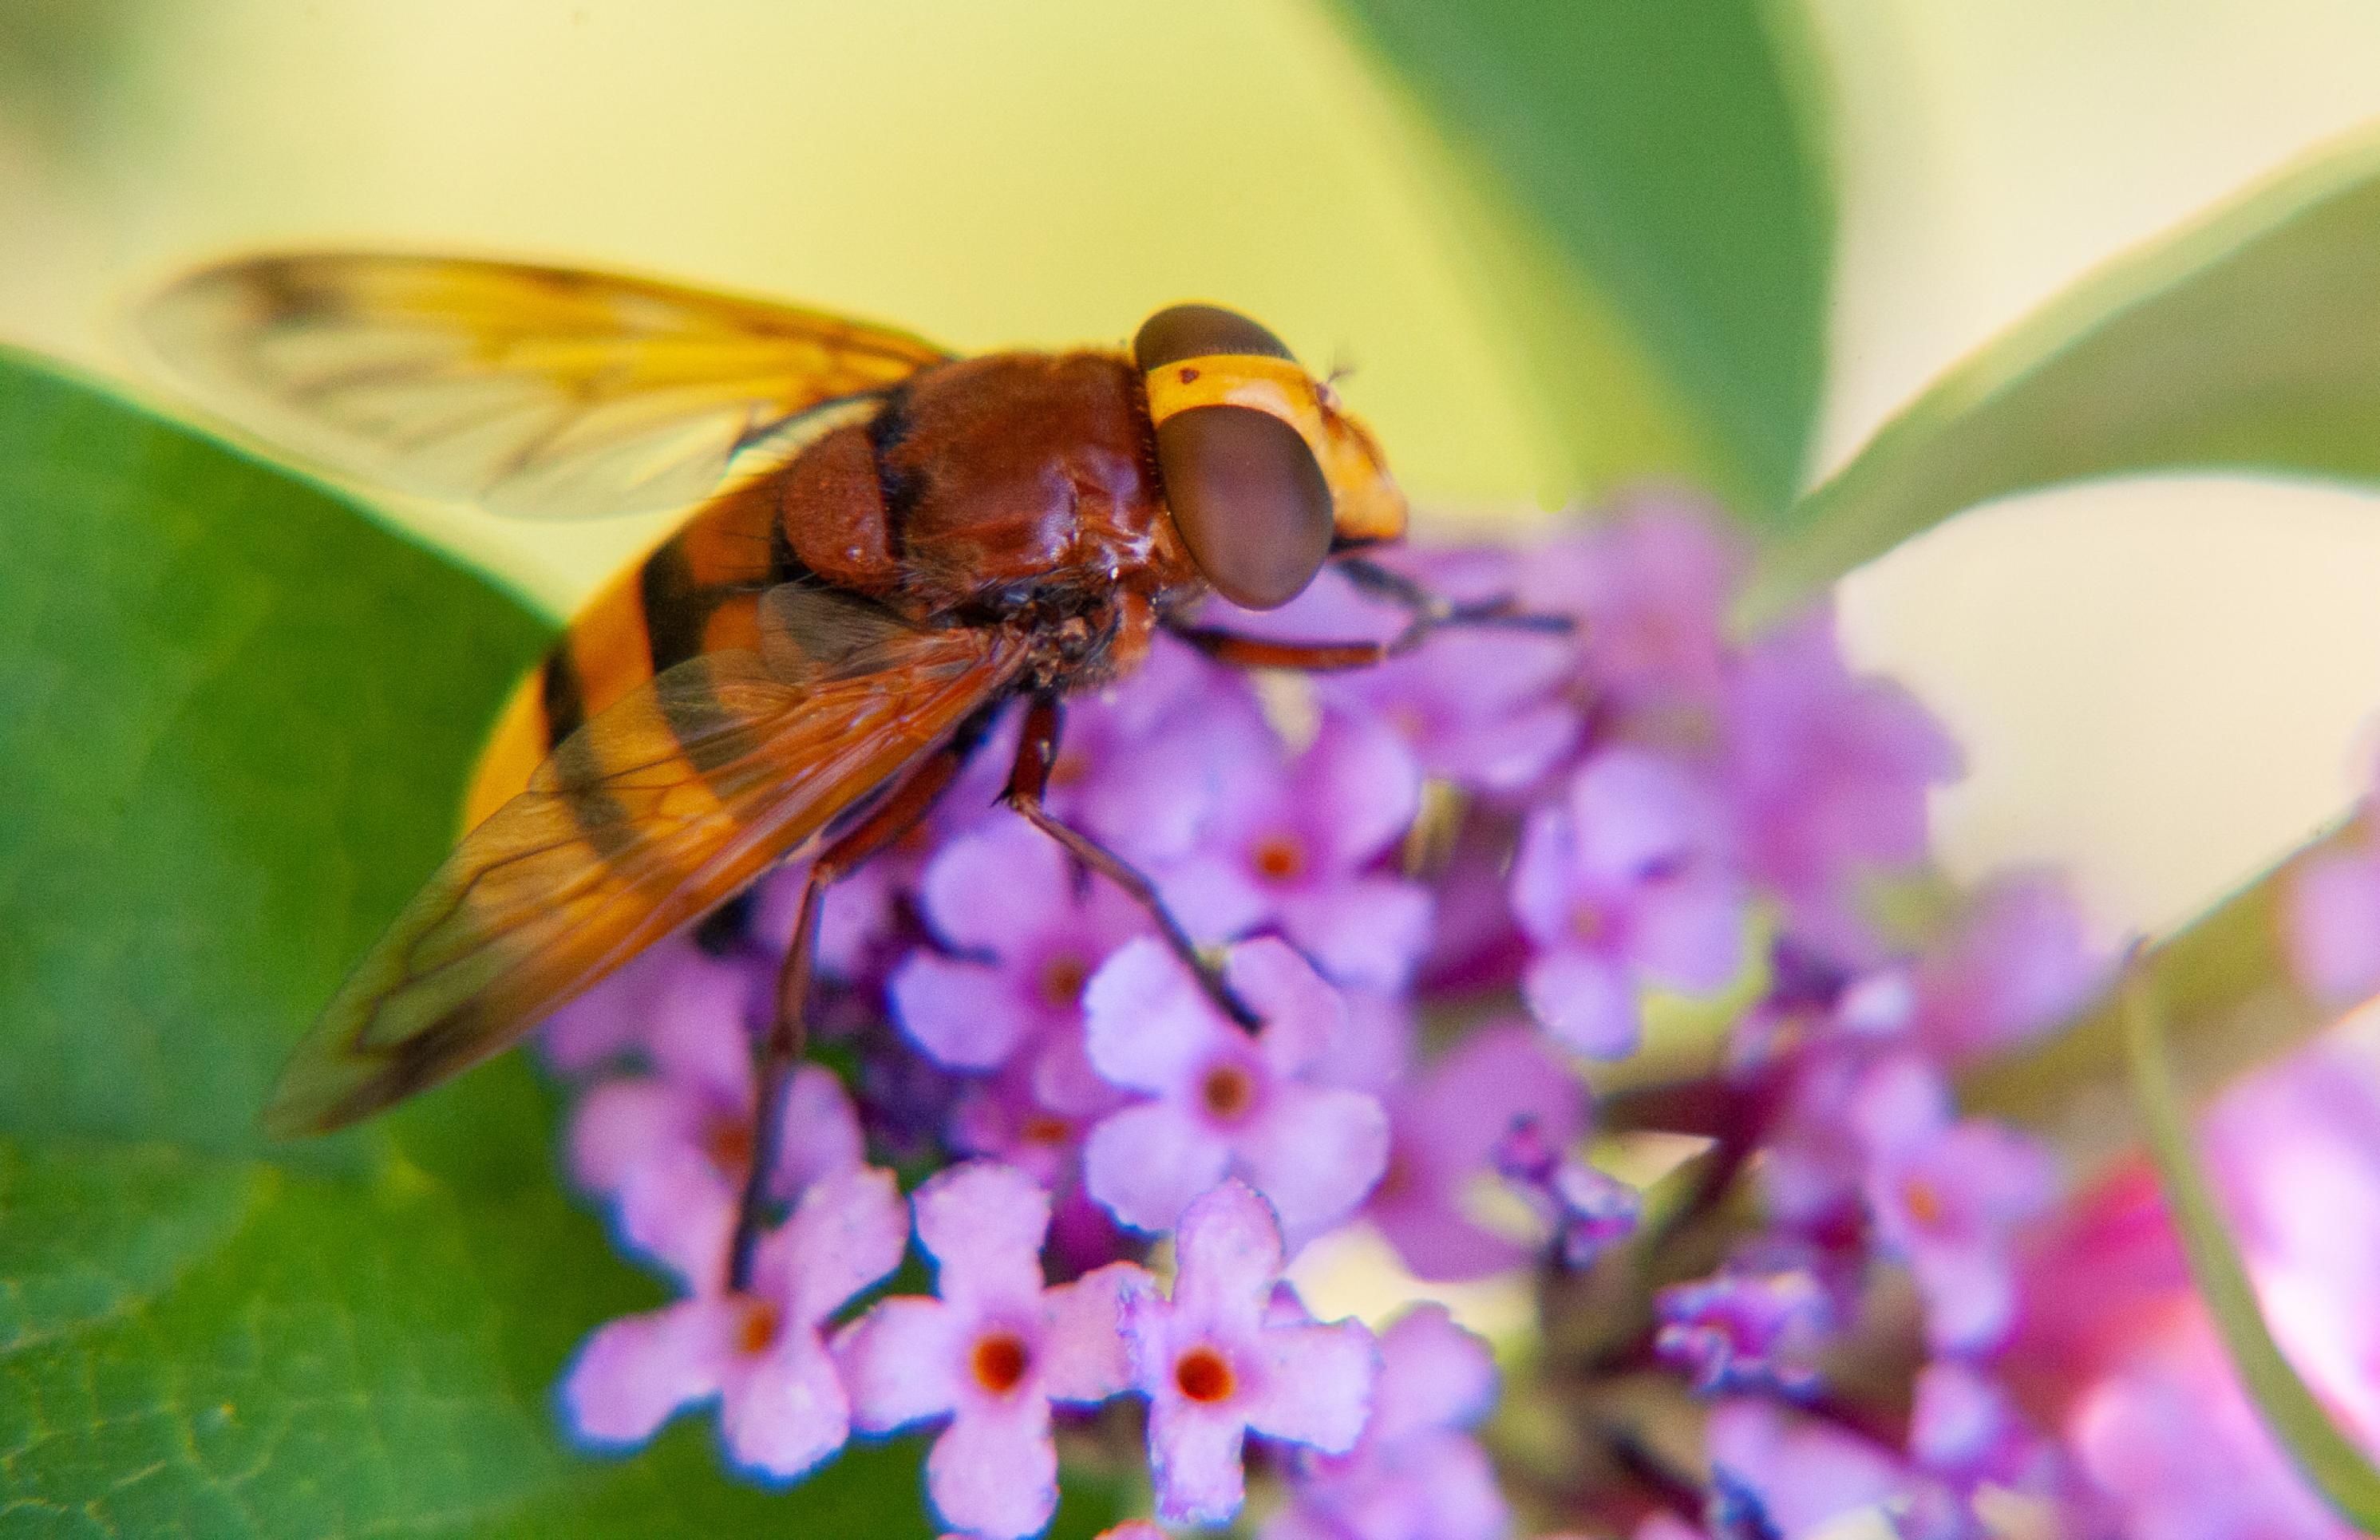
(1250, 501)
(1181, 332)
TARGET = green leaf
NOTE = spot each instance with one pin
(2237, 1006)
(234, 720)
(1639, 186)
(2250, 341)
(2332, 1462)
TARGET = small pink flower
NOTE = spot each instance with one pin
(2016, 965)
(1652, 587)
(1215, 1368)
(1026, 935)
(1947, 1197)
(1224, 1102)
(991, 1354)
(1292, 845)
(1829, 772)
(1621, 882)
(781, 1407)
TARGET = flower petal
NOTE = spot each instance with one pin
(1433, 1373)
(848, 1230)
(1302, 1013)
(1585, 1002)
(1146, 1163)
(1228, 1253)
(1083, 1355)
(984, 1223)
(623, 1121)
(1363, 930)
(786, 1412)
(899, 1363)
(1316, 1385)
(962, 1015)
(1316, 1154)
(1194, 1460)
(994, 1471)
(1365, 782)
(1149, 1024)
(1000, 889)
(633, 1373)
(817, 1133)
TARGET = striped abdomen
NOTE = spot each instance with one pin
(697, 591)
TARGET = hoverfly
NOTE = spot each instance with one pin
(887, 545)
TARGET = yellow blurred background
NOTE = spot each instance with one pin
(2160, 685)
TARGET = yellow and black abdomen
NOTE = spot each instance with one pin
(697, 591)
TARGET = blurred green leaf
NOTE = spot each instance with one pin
(1637, 181)
(2236, 1006)
(2248, 342)
(235, 719)
(2330, 1461)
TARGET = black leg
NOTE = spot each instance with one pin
(1037, 750)
(1426, 613)
(787, 1033)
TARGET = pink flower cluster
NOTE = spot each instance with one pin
(1448, 888)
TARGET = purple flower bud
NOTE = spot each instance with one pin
(1755, 1325)
(1585, 1210)
(1215, 1369)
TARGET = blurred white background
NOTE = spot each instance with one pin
(2160, 685)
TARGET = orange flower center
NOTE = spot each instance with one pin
(728, 1142)
(1204, 1375)
(1069, 769)
(1061, 980)
(1586, 922)
(1228, 1091)
(1000, 1361)
(1045, 1128)
(1924, 1204)
(1279, 857)
(758, 1328)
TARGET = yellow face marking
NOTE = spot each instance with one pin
(1365, 505)
(1274, 386)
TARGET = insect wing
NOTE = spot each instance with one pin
(651, 814)
(535, 391)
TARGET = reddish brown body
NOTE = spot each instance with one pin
(886, 545)
(1013, 486)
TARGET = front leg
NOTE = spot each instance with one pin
(1037, 751)
(1426, 613)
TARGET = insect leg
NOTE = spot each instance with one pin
(891, 819)
(1427, 613)
(1037, 750)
